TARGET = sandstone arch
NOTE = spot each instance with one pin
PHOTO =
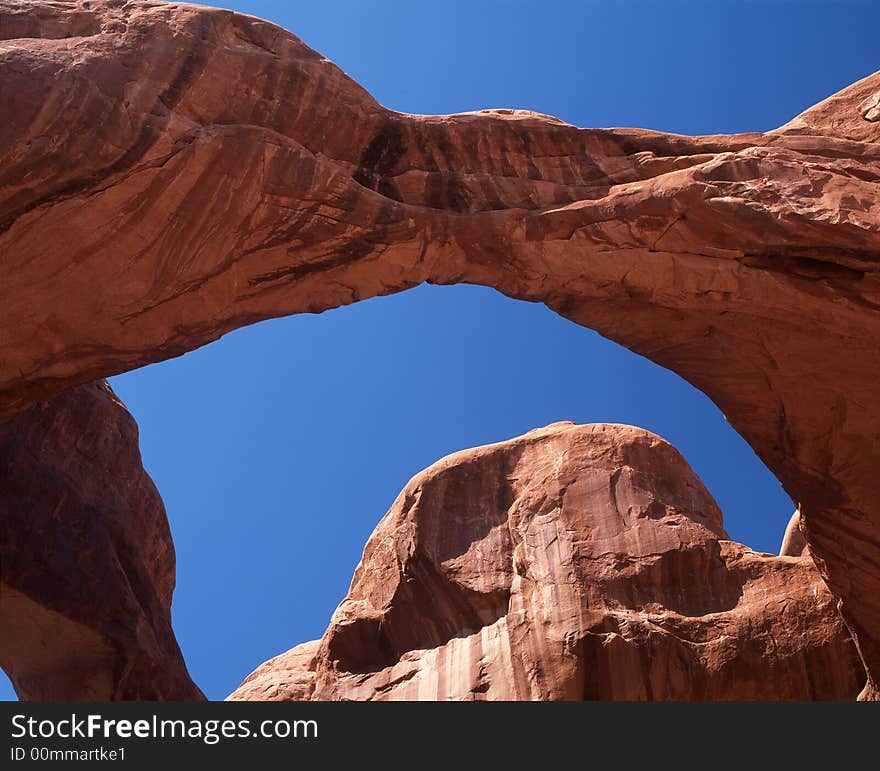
(171, 172)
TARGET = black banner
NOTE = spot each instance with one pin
(452, 734)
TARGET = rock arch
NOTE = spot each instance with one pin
(172, 172)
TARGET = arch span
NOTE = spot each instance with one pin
(177, 171)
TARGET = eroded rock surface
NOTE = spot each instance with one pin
(86, 558)
(171, 172)
(575, 562)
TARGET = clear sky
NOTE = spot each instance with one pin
(278, 448)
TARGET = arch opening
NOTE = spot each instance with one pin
(278, 448)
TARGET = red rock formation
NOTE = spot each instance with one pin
(86, 559)
(575, 562)
(171, 172)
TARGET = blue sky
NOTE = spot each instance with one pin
(278, 448)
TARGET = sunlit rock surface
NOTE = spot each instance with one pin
(575, 562)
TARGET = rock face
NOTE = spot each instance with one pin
(86, 555)
(171, 172)
(575, 562)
